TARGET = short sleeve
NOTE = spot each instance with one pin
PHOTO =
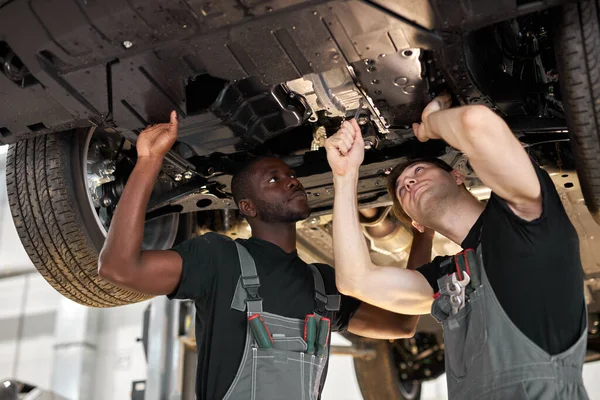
(433, 271)
(348, 305)
(551, 203)
(199, 269)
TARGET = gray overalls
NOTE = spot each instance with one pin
(487, 356)
(284, 371)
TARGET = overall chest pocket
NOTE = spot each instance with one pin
(465, 335)
(285, 375)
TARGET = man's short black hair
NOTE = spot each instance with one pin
(241, 182)
(395, 174)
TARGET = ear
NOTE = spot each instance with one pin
(418, 226)
(247, 208)
(458, 177)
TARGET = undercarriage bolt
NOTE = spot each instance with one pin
(127, 44)
(427, 372)
(187, 174)
(404, 376)
(178, 177)
(110, 168)
(107, 201)
(368, 144)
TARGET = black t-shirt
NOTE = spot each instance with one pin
(211, 271)
(534, 268)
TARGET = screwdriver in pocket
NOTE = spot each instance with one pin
(260, 332)
(323, 337)
(310, 333)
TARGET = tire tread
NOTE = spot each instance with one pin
(578, 50)
(42, 201)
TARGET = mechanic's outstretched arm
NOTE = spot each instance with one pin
(122, 260)
(492, 149)
(374, 322)
(400, 290)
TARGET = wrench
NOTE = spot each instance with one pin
(456, 289)
(360, 106)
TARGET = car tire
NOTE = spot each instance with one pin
(55, 221)
(378, 377)
(578, 56)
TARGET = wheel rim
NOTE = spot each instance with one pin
(409, 389)
(159, 233)
(418, 359)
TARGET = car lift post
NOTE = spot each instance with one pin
(164, 351)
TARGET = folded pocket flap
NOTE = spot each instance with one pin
(295, 344)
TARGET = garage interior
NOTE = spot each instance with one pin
(106, 88)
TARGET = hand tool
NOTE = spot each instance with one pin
(360, 106)
(323, 337)
(456, 289)
(310, 333)
(260, 332)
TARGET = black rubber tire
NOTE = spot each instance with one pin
(55, 222)
(578, 56)
(378, 378)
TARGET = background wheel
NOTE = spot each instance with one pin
(379, 377)
(578, 53)
(57, 222)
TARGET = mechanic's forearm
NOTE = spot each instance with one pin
(121, 252)
(352, 259)
(399, 327)
(456, 127)
(495, 154)
(388, 287)
(377, 323)
(420, 250)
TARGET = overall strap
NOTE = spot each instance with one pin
(246, 292)
(324, 302)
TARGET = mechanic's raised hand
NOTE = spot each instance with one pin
(439, 103)
(345, 149)
(156, 140)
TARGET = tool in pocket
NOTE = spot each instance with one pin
(456, 290)
(260, 332)
(310, 333)
(323, 336)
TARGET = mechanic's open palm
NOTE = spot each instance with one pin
(156, 140)
(345, 149)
